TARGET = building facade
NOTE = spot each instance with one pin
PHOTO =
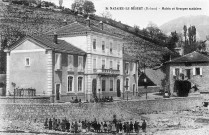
(104, 67)
(77, 60)
(193, 67)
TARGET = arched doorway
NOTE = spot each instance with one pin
(118, 88)
(94, 87)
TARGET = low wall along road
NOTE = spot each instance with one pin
(124, 110)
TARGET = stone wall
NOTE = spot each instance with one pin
(102, 111)
(28, 100)
(149, 89)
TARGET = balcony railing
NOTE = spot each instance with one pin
(107, 71)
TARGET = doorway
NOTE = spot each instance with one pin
(94, 87)
(118, 88)
(57, 90)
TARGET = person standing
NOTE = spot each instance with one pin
(105, 127)
(131, 127)
(67, 126)
(124, 127)
(144, 126)
(50, 124)
(102, 127)
(46, 124)
(136, 127)
(76, 127)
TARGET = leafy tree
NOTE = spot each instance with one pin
(60, 3)
(152, 31)
(192, 34)
(185, 33)
(78, 6)
(136, 29)
(88, 7)
(172, 40)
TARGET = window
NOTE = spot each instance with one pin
(80, 63)
(127, 68)
(118, 66)
(27, 61)
(110, 47)
(197, 71)
(127, 83)
(103, 64)
(80, 84)
(118, 49)
(103, 85)
(188, 73)
(111, 85)
(103, 46)
(94, 44)
(110, 64)
(94, 63)
(70, 62)
(177, 72)
(57, 60)
(70, 84)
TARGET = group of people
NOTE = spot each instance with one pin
(94, 126)
(96, 99)
(103, 99)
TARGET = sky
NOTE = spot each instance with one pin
(146, 12)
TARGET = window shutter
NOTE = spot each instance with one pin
(70, 62)
(58, 61)
(174, 73)
(200, 71)
(134, 68)
(180, 70)
(194, 71)
(82, 62)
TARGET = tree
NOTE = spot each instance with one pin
(78, 6)
(172, 40)
(88, 7)
(136, 29)
(60, 3)
(185, 33)
(192, 34)
(152, 31)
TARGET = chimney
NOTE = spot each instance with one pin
(101, 25)
(55, 38)
(88, 22)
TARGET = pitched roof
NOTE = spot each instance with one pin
(191, 57)
(47, 42)
(77, 28)
(128, 57)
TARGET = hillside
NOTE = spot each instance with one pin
(201, 22)
(19, 20)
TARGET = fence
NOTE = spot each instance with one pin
(29, 92)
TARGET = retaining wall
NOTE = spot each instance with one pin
(101, 111)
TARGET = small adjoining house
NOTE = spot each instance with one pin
(192, 68)
(76, 60)
(46, 65)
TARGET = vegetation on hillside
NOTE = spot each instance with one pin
(148, 45)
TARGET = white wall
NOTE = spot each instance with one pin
(78, 41)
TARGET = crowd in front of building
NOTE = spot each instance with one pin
(114, 126)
